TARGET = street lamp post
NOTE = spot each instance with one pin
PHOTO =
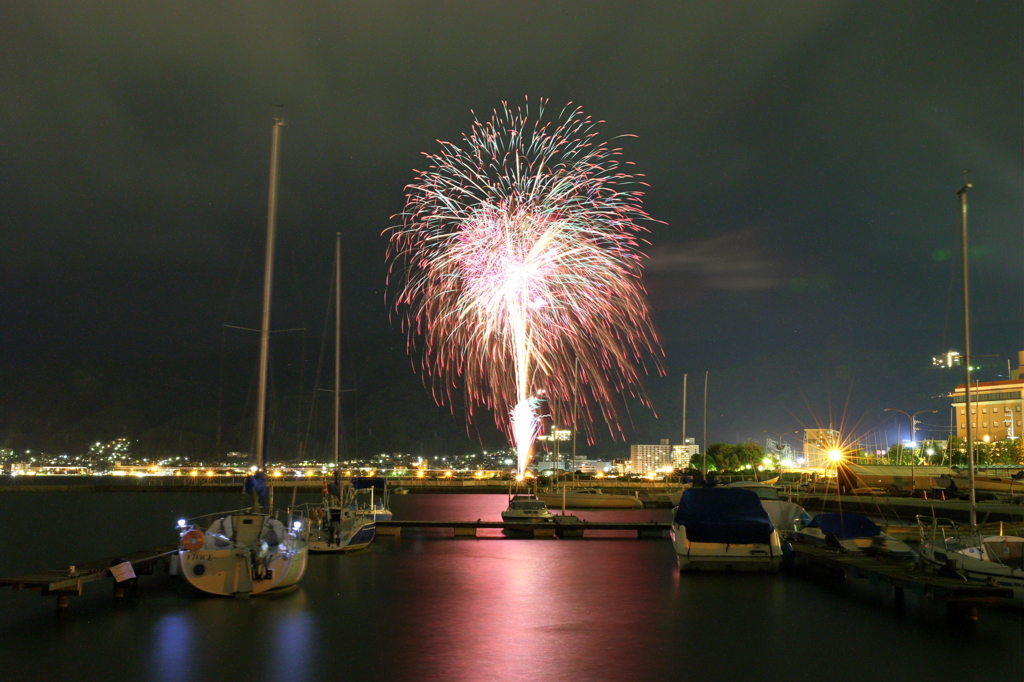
(780, 436)
(913, 439)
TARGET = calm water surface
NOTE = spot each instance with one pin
(430, 607)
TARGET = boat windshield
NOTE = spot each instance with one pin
(764, 492)
(528, 504)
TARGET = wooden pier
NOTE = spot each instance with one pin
(962, 598)
(67, 582)
(562, 527)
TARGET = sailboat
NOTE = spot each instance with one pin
(249, 551)
(946, 547)
(336, 526)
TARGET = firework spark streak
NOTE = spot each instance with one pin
(520, 265)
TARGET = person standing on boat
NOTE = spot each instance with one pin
(334, 488)
(256, 485)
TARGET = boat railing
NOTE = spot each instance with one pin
(208, 518)
(932, 528)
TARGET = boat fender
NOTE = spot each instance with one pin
(193, 540)
(788, 558)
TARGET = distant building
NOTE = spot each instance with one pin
(683, 454)
(818, 443)
(996, 407)
(643, 459)
(583, 466)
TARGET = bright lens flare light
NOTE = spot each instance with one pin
(835, 455)
(518, 264)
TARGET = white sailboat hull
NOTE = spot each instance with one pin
(993, 560)
(231, 572)
(242, 554)
(352, 536)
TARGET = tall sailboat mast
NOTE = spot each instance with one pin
(268, 280)
(967, 355)
(337, 348)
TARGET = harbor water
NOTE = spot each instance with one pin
(426, 606)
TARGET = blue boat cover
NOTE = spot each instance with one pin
(731, 516)
(365, 482)
(845, 526)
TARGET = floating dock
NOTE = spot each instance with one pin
(67, 582)
(562, 527)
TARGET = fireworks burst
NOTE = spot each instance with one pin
(520, 266)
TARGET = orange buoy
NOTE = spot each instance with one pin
(193, 540)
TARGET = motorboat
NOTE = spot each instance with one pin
(724, 529)
(371, 497)
(249, 551)
(951, 550)
(589, 498)
(242, 552)
(785, 515)
(852, 533)
(527, 512)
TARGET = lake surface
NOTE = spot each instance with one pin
(427, 606)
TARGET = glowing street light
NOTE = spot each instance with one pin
(948, 360)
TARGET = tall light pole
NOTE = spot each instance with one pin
(780, 445)
(913, 438)
(781, 435)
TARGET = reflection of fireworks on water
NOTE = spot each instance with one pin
(521, 271)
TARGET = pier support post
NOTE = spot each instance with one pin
(962, 615)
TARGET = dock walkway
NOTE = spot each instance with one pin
(962, 598)
(67, 582)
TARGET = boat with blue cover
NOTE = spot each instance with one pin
(724, 529)
(787, 516)
(853, 533)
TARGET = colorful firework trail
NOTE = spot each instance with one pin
(520, 267)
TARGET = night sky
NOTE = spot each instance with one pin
(804, 158)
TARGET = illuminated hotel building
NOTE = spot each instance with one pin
(644, 459)
(997, 407)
